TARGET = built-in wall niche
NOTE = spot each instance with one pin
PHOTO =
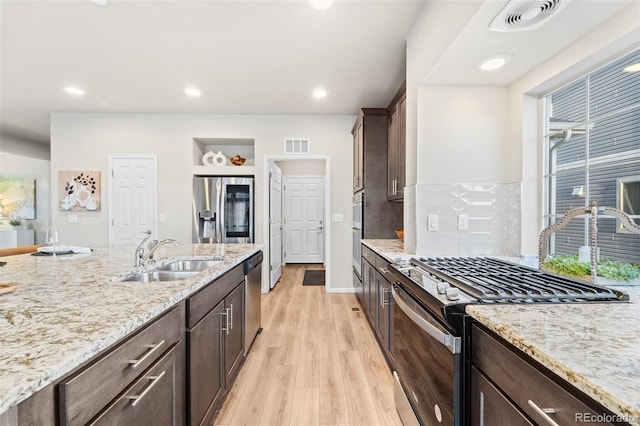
(217, 152)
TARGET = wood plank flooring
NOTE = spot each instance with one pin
(316, 362)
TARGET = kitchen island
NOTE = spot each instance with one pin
(68, 308)
(592, 346)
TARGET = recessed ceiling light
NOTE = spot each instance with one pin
(633, 68)
(192, 91)
(319, 93)
(74, 91)
(494, 62)
(100, 2)
(321, 4)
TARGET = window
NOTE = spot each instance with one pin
(592, 139)
(629, 198)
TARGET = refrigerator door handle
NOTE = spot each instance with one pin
(222, 193)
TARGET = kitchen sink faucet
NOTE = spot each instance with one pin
(143, 256)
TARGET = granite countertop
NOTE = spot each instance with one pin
(595, 347)
(392, 249)
(67, 308)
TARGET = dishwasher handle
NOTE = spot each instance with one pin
(451, 342)
(253, 262)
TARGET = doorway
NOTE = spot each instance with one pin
(303, 218)
(313, 167)
(132, 197)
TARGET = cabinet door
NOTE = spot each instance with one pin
(368, 281)
(384, 295)
(205, 355)
(401, 147)
(154, 399)
(358, 157)
(233, 341)
(489, 406)
(392, 155)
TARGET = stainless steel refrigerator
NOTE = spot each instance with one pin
(223, 209)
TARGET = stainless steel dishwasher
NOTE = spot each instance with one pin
(252, 296)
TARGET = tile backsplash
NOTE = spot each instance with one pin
(491, 210)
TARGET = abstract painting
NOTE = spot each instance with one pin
(79, 191)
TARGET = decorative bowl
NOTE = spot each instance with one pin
(237, 160)
(400, 235)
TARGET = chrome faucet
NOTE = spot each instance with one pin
(155, 245)
(140, 249)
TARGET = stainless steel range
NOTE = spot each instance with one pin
(430, 328)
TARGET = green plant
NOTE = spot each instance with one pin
(15, 222)
(568, 264)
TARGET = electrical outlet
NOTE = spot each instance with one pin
(432, 222)
(463, 222)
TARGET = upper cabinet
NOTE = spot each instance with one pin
(396, 146)
(369, 149)
(358, 157)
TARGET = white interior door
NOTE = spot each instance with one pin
(132, 192)
(275, 223)
(303, 219)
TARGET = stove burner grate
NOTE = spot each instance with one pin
(494, 280)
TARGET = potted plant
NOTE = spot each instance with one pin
(16, 223)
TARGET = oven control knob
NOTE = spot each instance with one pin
(442, 287)
(453, 293)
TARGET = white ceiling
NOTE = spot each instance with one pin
(247, 57)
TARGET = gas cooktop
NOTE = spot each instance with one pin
(462, 280)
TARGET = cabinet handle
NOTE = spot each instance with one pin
(225, 327)
(231, 317)
(135, 363)
(138, 398)
(544, 412)
(384, 301)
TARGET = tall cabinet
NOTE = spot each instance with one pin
(396, 162)
(370, 136)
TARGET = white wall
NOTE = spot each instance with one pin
(30, 159)
(84, 141)
(462, 134)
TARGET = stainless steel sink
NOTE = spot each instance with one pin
(157, 275)
(189, 265)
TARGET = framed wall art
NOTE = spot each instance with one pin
(79, 190)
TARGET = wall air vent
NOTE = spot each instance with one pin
(522, 15)
(297, 146)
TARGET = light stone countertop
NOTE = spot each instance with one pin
(391, 249)
(595, 347)
(66, 310)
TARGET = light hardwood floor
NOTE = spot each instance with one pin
(316, 362)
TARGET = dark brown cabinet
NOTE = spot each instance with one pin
(215, 319)
(369, 288)
(508, 387)
(396, 157)
(383, 323)
(129, 382)
(358, 153)
(154, 399)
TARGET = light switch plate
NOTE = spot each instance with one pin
(337, 217)
(162, 218)
(432, 222)
(72, 218)
(463, 222)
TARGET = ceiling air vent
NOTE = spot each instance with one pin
(297, 146)
(521, 15)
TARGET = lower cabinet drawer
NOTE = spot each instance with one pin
(87, 392)
(154, 399)
(490, 407)
(532, 390)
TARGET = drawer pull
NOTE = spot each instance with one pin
(231, 318)
(225, 327)
(544, 412)
(154, 380)
(135, 363)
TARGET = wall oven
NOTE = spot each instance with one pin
(358, 218)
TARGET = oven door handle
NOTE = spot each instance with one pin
(447, 340)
